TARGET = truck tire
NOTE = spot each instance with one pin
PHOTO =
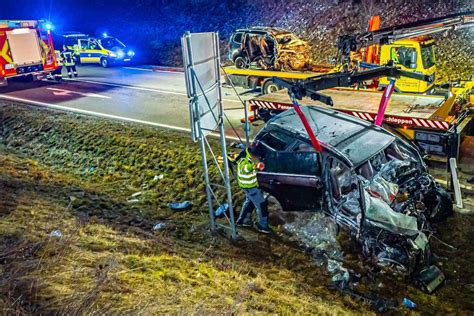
(270, 87)
(3, 82)
(240, 62)
(104, 62)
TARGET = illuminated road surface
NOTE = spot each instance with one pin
(129, 93)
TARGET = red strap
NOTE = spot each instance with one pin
(308, 128)
(387, 93)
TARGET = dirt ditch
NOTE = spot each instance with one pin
(80, 196)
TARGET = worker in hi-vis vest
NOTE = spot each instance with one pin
(68, 61)
(247, 179)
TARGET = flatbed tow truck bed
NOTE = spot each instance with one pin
(407, 109)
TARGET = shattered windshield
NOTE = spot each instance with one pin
(391, 164)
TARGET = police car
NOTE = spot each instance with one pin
(105, 51)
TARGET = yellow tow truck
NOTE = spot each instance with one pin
(438, 119)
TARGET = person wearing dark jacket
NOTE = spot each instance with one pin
(68, 61)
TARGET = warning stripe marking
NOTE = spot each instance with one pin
(397, 120)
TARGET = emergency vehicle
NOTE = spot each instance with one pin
(105, 51)
(26, 49)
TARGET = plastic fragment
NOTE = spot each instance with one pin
(56, 233)
(180, 206)
(221, 209)
(409, 303)
(159, 226)
(156, 178)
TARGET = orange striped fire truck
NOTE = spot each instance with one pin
(26, 49)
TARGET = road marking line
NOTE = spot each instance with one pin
(128, 87)
(63, 92)
(111, 116)
(154, 70)
(135, 68)
(138, 88)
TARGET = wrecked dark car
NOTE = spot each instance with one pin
(268, 48)
(369, 181)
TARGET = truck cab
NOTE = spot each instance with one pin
(105, 51)
(415, 55)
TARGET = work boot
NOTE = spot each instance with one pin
(264, 229)
(75, 74)
(243, 223)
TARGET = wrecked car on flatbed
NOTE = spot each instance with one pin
(371, 182)
(268, 48)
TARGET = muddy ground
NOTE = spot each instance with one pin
(74, 239)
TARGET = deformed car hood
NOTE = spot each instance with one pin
(381, 215)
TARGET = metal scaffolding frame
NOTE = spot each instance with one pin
(204, 87)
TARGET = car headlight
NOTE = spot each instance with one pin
(120, 54)
(131, 53)
(112, 54)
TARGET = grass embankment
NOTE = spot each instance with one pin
(76, 174)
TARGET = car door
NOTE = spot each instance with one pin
(293, 178)
(89, 51)
(291, 175)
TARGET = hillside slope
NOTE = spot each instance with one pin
(320, 22)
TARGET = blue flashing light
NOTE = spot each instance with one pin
(105, 35)
(48, 26)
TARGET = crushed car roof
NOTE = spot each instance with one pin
(268, 29)
(355, 139)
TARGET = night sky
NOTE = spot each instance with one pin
(151, 27)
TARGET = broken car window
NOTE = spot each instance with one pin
(238, 38)
(297, 163)
(277, 141)
(345, 189)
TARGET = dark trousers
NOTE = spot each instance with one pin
(70, 70)
(254, 200)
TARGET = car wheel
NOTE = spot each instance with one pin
(240, 62)
(104, 62)
(270, 87)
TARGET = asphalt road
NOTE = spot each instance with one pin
(138, 94)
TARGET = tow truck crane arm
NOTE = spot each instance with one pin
(310, 87)
(353, 42)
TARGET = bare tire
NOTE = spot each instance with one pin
(240, 62)
(270, 87)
